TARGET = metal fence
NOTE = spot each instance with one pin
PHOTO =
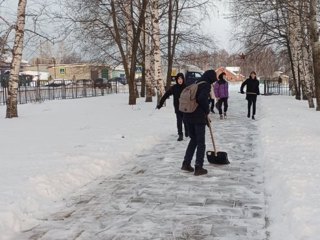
(276, 88)
(29, 94)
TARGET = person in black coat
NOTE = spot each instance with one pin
(176, 90)
(196, 123)
(252, 90)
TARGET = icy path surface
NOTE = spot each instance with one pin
(153, 199)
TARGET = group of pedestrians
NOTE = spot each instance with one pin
(195, 123)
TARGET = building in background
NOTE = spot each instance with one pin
(233, 74)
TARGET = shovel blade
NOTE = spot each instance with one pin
(221, 158)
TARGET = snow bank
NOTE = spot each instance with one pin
(290, 142)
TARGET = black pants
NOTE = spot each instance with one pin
(252, 99)
(179, 116)
(197, 141)
(223, 101)
(211, 103)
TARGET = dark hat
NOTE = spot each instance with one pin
(209, 76)
(221, 75)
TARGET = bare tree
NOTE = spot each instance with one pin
(282, 24)
(315, 43)
(12, 109)
(110, 30)
(148, 67)
(156, 46)
(182, 32)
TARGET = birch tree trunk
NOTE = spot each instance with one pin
(148, 60)
(315, 44)
(305, 59)
(12, 103)
(294, 41)
(157, 52)
(143, 63)
(148, 73)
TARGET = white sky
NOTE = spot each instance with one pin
(220, 26)
(217, 25)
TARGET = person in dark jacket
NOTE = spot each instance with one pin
(176, 90)
(221, 91)
(252, 90)
(196, 123)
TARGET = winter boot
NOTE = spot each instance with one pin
(200, 171)
(248, 115)
(221, 116)
(225, 115)
(187, 167)
(253, 117)
(180, 138)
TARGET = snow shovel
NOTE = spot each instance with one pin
(215, 157)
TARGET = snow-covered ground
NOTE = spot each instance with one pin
(290, 147)
(56, 147)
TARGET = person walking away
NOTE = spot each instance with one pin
(176, 90)
(252, 91)
(212, 99)
(196, 123)
(221, 91)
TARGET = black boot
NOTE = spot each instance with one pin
(180, 138)
(187, 167)
(200, 171)
(248, 115)
(253, 117)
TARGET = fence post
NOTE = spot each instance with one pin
(63, 90)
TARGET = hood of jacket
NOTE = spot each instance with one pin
(209, 76)
(182, 76)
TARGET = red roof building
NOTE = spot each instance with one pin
(232, 73)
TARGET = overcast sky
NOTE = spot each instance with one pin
(217, 25)
(220, 26)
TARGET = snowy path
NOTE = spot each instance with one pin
(154, 199)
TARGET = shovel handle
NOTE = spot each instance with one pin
(211, 134)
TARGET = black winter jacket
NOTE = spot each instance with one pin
(252, 86)
(199, 116)
(175, 90)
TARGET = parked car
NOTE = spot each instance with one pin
(101, 83)
(55, 83)
(121, 80)
(192, 77)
